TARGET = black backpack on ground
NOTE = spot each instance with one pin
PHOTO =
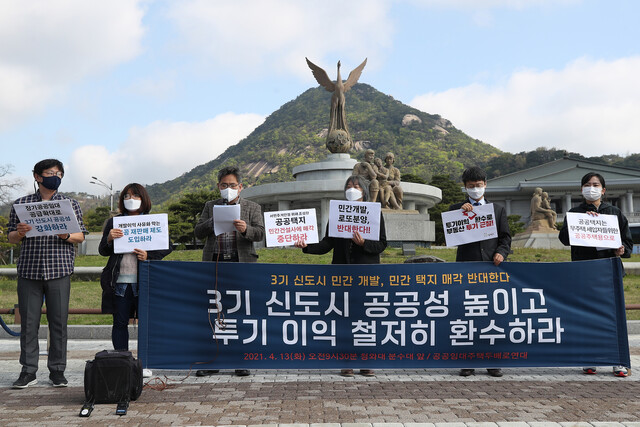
(112, 377)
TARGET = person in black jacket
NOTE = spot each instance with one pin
(119, 279)
(495, 250)
(356, 250)
(593, 190)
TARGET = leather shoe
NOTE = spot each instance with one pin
(495, 372)
(206, 372)
(242, 372)
(466, 372)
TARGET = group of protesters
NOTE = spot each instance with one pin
(46, 262)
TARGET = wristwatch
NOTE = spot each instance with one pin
(67, 238)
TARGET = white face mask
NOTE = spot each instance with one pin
(475, 193)
(352, 194)
(132, 205)
(592, 193)
(229, 194)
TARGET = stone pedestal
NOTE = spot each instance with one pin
(538, 240)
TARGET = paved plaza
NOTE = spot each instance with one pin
(523, 397)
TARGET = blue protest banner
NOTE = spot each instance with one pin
(444, 315)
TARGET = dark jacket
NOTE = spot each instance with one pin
(485, 249)
(250, 213)
(580, 253)
(347, 252)
(111, 271)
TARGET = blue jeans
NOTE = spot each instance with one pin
(122, 310)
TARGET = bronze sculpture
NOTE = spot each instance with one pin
(338, 138)
(541, 217)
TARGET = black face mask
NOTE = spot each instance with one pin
(51, 182)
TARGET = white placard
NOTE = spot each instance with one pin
(461, 227)
(223, 217)
(284, 228)
(48, 218)
(347, 217)
(146, 232)
(600, 231)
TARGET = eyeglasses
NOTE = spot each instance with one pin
(48, 174)
(130, 196)
(224, 186)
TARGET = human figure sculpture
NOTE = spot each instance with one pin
(367, 170)
(394, 181)
(387, 198)
(546, 204)
(338, 138)
(539, 213)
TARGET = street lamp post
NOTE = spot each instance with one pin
(104, 184)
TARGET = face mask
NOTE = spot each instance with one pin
(229, 194)
(592, 193)
(476, 193)
(51, 182)
(353, 194)
(132, 205)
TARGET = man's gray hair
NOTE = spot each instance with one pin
(229, 170)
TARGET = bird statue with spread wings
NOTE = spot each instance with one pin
(338, 138)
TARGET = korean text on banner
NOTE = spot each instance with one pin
(440, 315)
(285, 228)
(146, 232)
(223, 217)
(600, 231)
(462, 227)
(48, 218)
(345, 218)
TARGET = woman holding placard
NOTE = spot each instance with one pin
(593, 191)
(119, 279)
(356, 250)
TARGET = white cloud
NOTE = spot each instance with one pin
(158, 152)
(254, 37)
(589, 107)
(491, 4)
(49, 45)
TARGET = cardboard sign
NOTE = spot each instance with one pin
(146, 232)
(284, 228)
(461, 227)
(600, 231)
(345, 218)
(48, 218)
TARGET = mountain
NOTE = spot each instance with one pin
(424, 144)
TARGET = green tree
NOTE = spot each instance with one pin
(451, 194)
(184, 214)
(5, 246)
(515, 225)
(94, 219)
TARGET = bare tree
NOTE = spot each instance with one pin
(7, 185)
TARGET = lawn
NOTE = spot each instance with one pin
(87, 294)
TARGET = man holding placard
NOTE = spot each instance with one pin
(235, 245)
(495, 249)
(45, 266)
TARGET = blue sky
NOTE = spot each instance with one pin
(143, 91)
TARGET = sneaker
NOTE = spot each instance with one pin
(466, 372)
(57, 379)
(147, 373)
(25, 380)
(346, 372)
(242, 372)
(589, 371)
(495, 372)
(206, 372)
(367, 373)
(620, 371)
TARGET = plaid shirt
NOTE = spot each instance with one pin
(45, 257)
